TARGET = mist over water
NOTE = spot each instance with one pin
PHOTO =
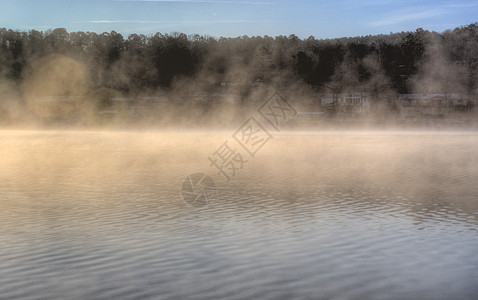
(57, 79)
(365, 190)
(336, 214)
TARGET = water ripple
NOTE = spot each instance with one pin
(97, 215)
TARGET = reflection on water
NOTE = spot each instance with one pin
(313, 215)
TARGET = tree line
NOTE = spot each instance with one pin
(406, 62)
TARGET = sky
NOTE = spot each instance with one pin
(231, 18)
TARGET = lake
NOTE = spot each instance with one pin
(312, 215)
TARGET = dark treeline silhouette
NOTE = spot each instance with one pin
(405, 62)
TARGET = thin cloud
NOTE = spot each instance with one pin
(462, 5)
(420, 13)
(401, 17)
(201, 1)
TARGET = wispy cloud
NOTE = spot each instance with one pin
(202, 1)
(421, 13)
(462, 5)
(399, 17)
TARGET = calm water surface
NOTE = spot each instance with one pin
(372, 215)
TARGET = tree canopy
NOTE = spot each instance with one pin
(399, 62)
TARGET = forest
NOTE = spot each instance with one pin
(58, 63)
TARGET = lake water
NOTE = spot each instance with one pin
(328, 215)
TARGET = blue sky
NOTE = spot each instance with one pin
(322, 19)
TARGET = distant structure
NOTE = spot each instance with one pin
(347, 104)
(412, 106)
(353, 103)
(453, 108)
(434, 105)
